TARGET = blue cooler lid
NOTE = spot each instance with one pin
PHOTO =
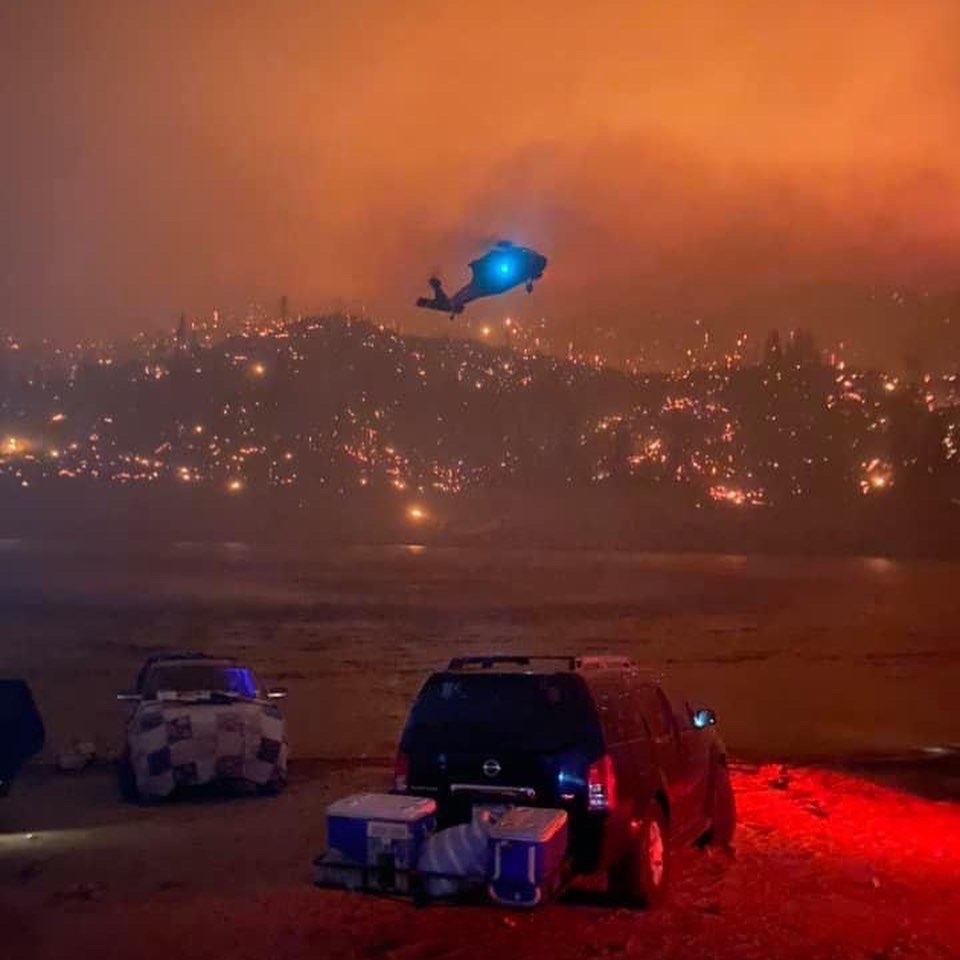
(529, 824)
(383, 806)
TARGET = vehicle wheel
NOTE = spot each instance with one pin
(271, 788)
(640, 878)
(723, 809)
(127, 780)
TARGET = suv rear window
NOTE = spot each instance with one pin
(526, 711)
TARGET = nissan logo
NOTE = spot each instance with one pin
(491, 768)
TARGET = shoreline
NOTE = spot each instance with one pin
(609, 519)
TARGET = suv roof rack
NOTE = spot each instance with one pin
(567, 663)
(603, 663)
(180, 655)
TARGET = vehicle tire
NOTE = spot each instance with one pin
(723, 809)
(640, 878)
(272, 787)
(127, 780)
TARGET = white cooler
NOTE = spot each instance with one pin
(528, 846)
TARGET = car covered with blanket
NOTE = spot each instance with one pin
(200, 720)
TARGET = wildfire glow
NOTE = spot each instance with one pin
(877, 476)
(13, 446)
(737, 496)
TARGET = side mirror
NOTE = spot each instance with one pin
(129, 696)
(277, 693)
(704, 718)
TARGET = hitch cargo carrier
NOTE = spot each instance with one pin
(387, 844)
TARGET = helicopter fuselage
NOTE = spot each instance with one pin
(496, 272)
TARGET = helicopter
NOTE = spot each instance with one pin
(504, 267)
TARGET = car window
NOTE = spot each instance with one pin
(630, 712)
(614, 707)
(200, 676)
(656, 710)
(680, 709)
(485, 711)
(635, 724)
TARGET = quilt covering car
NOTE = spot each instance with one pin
(185, 742)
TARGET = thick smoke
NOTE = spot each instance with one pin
(742, 161)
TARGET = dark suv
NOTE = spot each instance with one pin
(637, 770)
(21, 730)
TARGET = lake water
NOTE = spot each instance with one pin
(798, 657)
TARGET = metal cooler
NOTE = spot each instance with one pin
(374, 840)
(528, 846)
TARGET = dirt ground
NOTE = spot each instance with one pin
(827, 864)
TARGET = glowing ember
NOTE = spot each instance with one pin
(877, 476)
(738, 496)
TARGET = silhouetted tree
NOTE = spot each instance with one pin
(772, 349)
(801, 349)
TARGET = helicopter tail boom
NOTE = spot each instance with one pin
(439, 300)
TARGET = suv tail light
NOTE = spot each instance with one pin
(401, 771)
(602, 785)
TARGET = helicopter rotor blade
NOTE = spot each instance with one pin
(477, 242)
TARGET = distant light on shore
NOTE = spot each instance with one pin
(416, 513)
(235, 485)
(877, 476)
(13, 445)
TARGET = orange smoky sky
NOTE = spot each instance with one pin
(747, 162)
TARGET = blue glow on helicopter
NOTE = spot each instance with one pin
(506, 266)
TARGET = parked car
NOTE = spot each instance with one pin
(198, 720)
(21, 730)
(637, 770)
